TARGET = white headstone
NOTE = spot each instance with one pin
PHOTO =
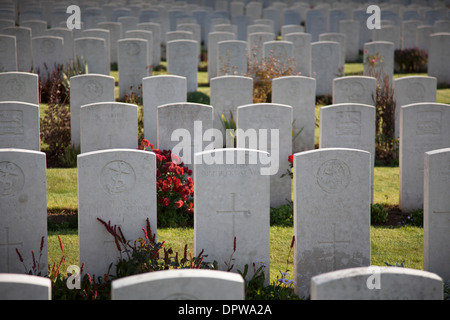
(423, 127)
(238, 214)
(383, 49)
(160, 90)
(351, 31)
(23, 45)
(8, 53)
(356, 89)
(409, 33)
(19, 86)
(291, 28)
(388, 33)
(87, 89)
(255, 42)
(68, 47)
(117, 186)
(133, 65)
(228, 93)
(47, 54)
(281, 51)
(436, 212)
(213, 57)
(19, 125)
(105, 35)
(299, 93)
(108, 125)
(342, 40)
(423, 37)
(183, 284)
(316, 23)
(24, 287)
(271, 125)
(438, 64)
(331, 212)
(232, 57)
(412, 89)
(325, 64)
(349, 125)
(155, 29)
(377, 283)
(23, 210)
(302, 52)
(146, 35)
(182, 61)
(181, 128)
(115, 34)
(95, 52)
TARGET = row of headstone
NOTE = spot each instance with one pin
(339, 128)
(332, 188)
(364, 283)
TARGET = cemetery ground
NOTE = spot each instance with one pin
(398, 241)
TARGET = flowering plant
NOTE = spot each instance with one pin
(291, 165)
(174, 188)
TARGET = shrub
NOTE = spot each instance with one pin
(198, 97)
(55, 134)
(386, 145)
(411, 60)
(415, 218)
(378, 214)
(175, 189)
(264, 71)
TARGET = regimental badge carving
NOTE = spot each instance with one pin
(15, 88)
(11, 179)
(348, 123)
(428, 122)
(118, 177)
(11, 123)
(92, 89)
(416, 92)
(354, 91)
(47, 46)
(333, 176)
(132, 49)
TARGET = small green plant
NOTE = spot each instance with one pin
(230, 128)
(282, 216)
(378, 214)
(55, 134)
(415, 218)
(412, 60)
(198, 97)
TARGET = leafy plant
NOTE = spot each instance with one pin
(174, 187)
(412, 60)
(386, 145)
(230, 127)
(378, 214)
(198, 97)
(55, 133)
(415, 218)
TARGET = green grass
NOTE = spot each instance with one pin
(62, 190)
(388, 245)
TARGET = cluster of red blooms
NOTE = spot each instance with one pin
(174, 186)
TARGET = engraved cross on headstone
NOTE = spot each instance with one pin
(334, 242)
(234, 211)
(7, 246)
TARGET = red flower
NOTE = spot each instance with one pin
(178, 204)
(165, 202)
(175, 159)
(179, 170)
(291, 158)
(145, 143)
